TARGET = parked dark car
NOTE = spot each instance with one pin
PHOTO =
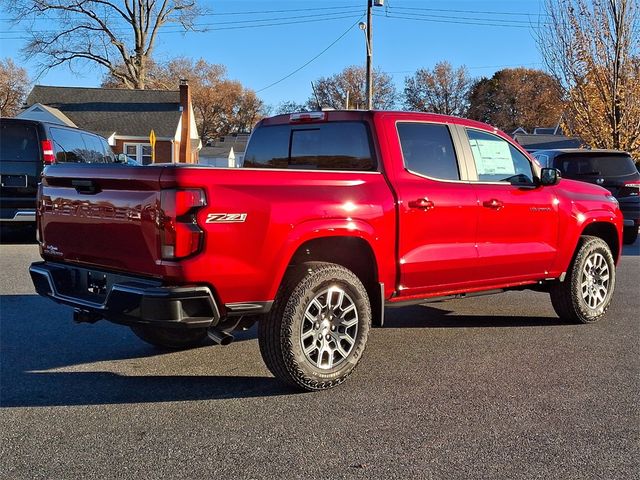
(26, 147)
(611, 169)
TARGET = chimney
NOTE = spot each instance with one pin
(185, 134)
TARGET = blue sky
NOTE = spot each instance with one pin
(408, 34)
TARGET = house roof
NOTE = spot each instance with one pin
(45, 113)
(544, 142)
(105, 110)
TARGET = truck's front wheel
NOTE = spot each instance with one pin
(172, 338)
(318, 327)
(585, 294)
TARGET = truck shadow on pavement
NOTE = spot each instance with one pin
(40, 345)
(38, 338)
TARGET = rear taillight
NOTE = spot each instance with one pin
(630, 190)
(47, 152)
(180, 234)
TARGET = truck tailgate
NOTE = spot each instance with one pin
(102, 216)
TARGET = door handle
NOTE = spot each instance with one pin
(422, 204)
(493, 203)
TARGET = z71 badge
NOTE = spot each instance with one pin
(226, 217)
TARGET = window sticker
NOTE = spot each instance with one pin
(492, 157)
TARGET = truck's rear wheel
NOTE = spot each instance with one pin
(172, 338)
(318, 327)
(585, 294)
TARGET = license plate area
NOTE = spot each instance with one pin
(13, 181)
(97, 283)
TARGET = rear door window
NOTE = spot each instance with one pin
(19, 142)
(327, 146)
(94, 152)
(427, 149)
(68, 145)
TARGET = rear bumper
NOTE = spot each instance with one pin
(630, 208)
(18, 216)
(125, 299)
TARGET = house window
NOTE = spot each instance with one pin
(138, 151)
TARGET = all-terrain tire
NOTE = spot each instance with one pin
(629, 235)
(170, 338)
(573, 299)
(281, 333)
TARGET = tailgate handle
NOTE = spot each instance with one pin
(84, 186)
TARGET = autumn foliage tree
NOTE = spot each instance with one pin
(593, 49)
(221, 106)
(333, 92)
(442, 90)
(14, 82)
(119, 35)
(517, 97)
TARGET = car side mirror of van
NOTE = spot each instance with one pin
(550, 176)
(122, 158)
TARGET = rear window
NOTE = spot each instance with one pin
(428, 150)
(328, 146)
(18, 142)
(584, 165)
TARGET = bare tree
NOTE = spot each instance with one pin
(334, 91)
(441, 90)
(593, 48)
(221, 106)
(290, 107)
(14, 82)
(517, 97)
(119, 35)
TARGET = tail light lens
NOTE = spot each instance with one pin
(180, 234)
(47, 152)
(630, 190)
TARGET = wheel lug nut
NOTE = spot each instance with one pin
(328, 337)
(333, 328)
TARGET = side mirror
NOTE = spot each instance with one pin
(122, 158)
(550, 176)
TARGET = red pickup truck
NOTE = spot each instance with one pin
(333, 216)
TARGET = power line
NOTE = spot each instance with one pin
(212, 14)
(239, 27)
(448, 10)
(458, 17)
(314, 58)
(485, 24)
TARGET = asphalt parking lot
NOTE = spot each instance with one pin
(493, 387)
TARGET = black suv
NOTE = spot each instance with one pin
(612, 169)
(26, 147)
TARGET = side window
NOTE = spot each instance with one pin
(68, 145)
(268, 148)
(94, 152)
(497, 160)
(428, 150)
(108, 153)
(542, 159)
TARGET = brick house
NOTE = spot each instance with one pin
(125, 118)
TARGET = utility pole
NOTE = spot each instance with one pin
(369, 35)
